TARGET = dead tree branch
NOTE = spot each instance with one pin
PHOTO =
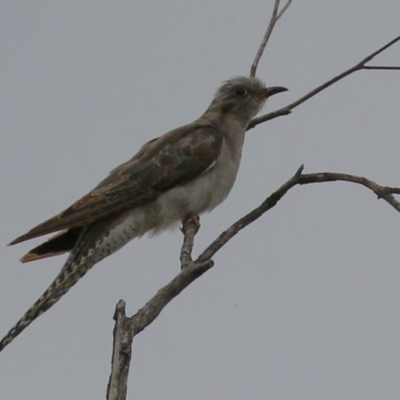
(388, 68)
(276, 14)
(122, 352)
(126, 328)
(359, 66)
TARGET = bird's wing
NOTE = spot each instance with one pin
(173, 159)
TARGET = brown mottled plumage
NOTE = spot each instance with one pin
(187, 171)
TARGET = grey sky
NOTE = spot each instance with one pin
(304, 303)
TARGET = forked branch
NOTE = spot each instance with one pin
(359, 66)
(276, 14)
(126, 328)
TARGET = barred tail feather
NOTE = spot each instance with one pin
(91, 243)
(69, 275)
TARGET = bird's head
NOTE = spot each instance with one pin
(242, 97)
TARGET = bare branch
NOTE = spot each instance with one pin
(380, 50)
(388, 68)
(270, 202)
(298, 178)
(274, 19)
(146, 315)
(122, 351)
(203, 263)
(359, 66)
(285, 7)
(126, 328)
(392, 190)
(266, 37)
(382, 192)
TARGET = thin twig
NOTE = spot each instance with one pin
(266, 37)
(386, 68)
(274, 19)
(284, 8)
(359, 66)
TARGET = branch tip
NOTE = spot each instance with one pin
(276, 14)
(299, 171)
(120, 310)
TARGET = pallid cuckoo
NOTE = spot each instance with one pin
(187, 171)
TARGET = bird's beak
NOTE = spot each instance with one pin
(270, 91)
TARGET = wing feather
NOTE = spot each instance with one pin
(173, 159)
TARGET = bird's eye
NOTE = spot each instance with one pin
(240, 92)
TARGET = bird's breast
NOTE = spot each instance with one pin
(205, 192)
(200, 195)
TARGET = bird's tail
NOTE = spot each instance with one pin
(74, 268)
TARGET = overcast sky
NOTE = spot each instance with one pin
(304, 304)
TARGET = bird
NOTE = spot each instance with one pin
(185, 172)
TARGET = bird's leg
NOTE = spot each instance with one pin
(190, 226)
(190, 220)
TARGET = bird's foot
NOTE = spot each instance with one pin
(191, 220)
